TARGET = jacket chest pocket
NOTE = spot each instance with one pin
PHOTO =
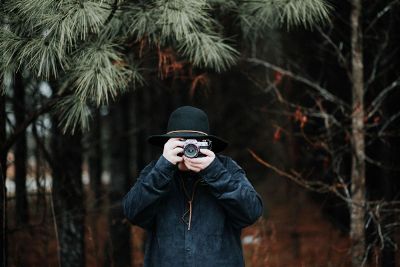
(169, 220)
(212, 216)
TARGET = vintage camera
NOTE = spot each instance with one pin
(191, 147)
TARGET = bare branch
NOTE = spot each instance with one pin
(375, 105)
(377, 58)
(20, 128)
(380, 164)
(389, 121)
(323, 92)
(296, 177)
(341, 58)
(381, 13)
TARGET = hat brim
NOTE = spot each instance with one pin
(218, 144)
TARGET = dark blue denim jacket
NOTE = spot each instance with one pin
(224, 202)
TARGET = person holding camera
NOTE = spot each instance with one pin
(192, 202)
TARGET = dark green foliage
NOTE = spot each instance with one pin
(87, 45)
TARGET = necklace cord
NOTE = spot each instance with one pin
(190, 200)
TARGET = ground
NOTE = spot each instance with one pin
(295, 234)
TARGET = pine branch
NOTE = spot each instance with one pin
(257, 15)
(113, 12)
(10, 45)
(207, 50)
(42, 56)
(141, 20)
(100, 72)
(179, 18)
(74, 114)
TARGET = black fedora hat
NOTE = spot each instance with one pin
(189, 123)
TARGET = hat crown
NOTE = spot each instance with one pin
(190, 123)
(188, 118)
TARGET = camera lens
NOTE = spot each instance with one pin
(191, 150)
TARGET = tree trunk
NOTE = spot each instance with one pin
(118, 246)
(133, 139)
(143, 104)
(20, 153)
(3, 191)
(358, 152)
(68, 197)
(95, 159)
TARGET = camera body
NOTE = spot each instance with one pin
(191, 147)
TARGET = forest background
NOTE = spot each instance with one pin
(305, 91)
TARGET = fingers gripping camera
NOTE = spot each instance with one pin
(191, 147)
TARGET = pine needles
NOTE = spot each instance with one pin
(86, 44)
(99, 73)
(260, 14)
(74, 114)
(210, 51)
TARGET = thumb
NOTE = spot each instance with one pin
(207, 152)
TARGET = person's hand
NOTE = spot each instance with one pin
(171, 150)
(198, 164)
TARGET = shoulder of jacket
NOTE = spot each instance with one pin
(151, 164)
(223, 159)
(148, 167)
(228, 162)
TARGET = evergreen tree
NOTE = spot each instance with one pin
(87, 45)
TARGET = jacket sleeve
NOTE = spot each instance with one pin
(142, 201)
(234, 192)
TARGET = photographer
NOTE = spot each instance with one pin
(192, 202)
